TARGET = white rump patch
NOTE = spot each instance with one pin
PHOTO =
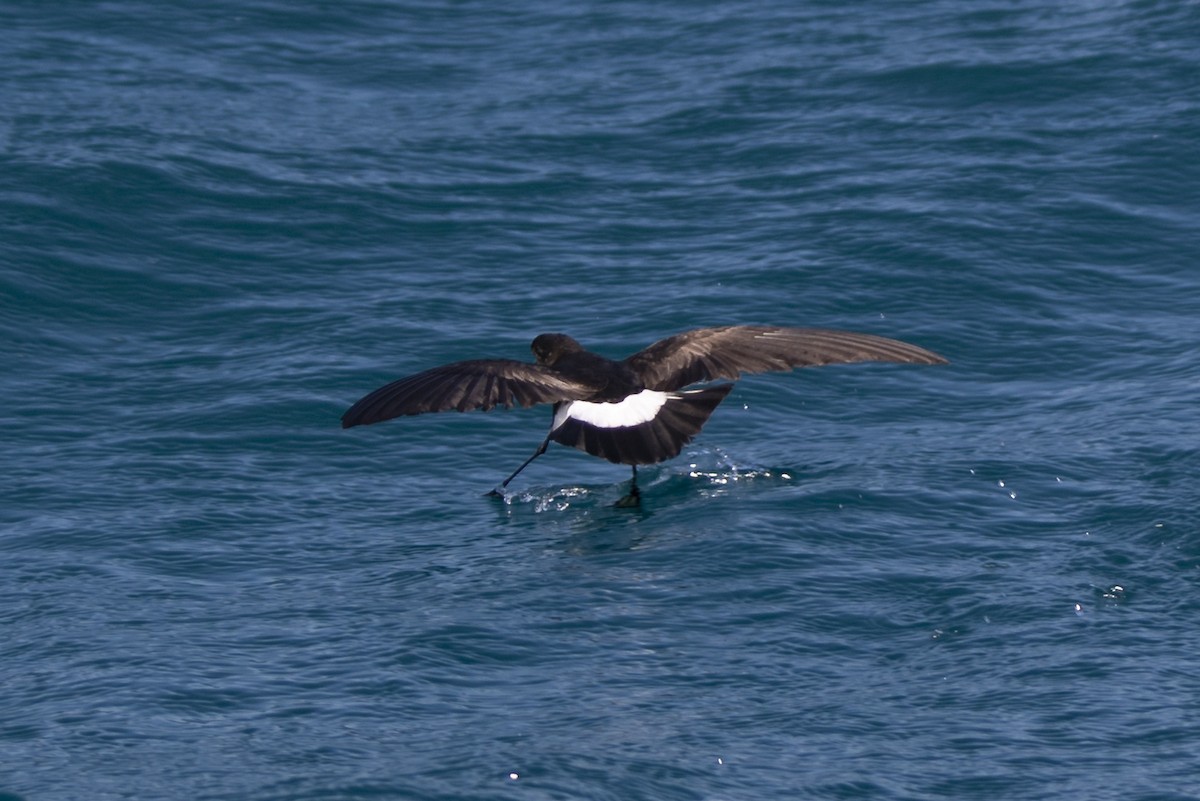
(636, 409)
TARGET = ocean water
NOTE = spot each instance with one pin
(222, 223)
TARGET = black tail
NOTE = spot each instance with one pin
(679, 419)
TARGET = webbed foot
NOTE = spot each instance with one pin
(633, 499)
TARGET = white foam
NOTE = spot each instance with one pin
(636, 409)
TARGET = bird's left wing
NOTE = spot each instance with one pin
(478, 384)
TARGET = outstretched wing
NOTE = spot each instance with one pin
(705, 354)
(479, 384)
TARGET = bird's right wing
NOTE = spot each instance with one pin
(478, 384)
(705, 354)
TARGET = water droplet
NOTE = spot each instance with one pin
(1114, 593)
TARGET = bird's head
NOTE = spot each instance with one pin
(549, 348)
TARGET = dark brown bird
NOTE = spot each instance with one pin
(634, 411)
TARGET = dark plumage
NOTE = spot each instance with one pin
(634, 411)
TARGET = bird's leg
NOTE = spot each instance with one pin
(541, 449)
(634, 498)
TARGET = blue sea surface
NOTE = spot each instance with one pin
(223, 223)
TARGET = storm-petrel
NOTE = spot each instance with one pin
(634, 411)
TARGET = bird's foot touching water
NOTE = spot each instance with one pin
(634, 498)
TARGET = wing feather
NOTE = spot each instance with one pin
(477, 384)
(707, 354)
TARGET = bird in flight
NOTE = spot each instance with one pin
(638, 410)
